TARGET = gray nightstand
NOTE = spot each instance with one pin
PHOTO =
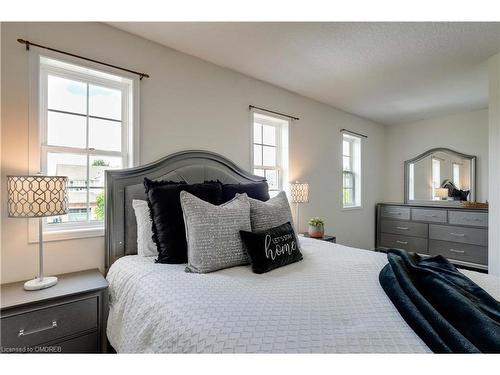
(69, 317)
(326, 237)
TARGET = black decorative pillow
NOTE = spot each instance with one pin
(271, 248)
(169, 232)
(255, 190)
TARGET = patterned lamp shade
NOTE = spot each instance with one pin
(37, 196)
(299, 192)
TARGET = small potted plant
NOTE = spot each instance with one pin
(316, 227)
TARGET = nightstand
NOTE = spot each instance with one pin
(69, 317)
(326, 237)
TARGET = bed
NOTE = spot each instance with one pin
(331, 302)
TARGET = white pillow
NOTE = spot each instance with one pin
(145, 245)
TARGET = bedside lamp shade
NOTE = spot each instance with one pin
(299, 192)
(36, 196)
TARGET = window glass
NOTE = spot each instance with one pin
(270, 150)
(269, 156)
(66, 130)
(351, 167)
(66, 95)
(105, 102)
(269, 135)
(83, 136)
(257, 133)
(105, 135)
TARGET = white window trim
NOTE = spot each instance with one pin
(35, 136)
(282, 124)
(358, 180)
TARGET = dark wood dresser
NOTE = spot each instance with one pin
(459, 234)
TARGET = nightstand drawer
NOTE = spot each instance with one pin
(459, 251)
(50, 323)
(405, 228)
(415, 244)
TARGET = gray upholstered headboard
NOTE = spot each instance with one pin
(124, 185)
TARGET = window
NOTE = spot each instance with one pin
(85, 122)
(270, 150)
(456, 175)
(351, 171)
(436, 177)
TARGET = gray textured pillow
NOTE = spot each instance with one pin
(272, 213)
(213, 232)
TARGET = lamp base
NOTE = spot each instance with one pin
(36, 284)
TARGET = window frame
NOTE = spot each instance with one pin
(354, 171)
(281, 124)
(39, 149)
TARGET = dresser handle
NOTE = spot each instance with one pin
(394, 212)
(402, 228)
(402, 242)
(457, 234)
(430, 216)
(457, 251)
(23, 333)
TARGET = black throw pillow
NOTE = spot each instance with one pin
(271, 248)
(169, 232)
(255, 190)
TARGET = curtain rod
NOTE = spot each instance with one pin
(348, 131)
(276, 113)
(28, 44)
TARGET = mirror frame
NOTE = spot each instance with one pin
(472, 158)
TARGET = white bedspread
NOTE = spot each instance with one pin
(329, 302)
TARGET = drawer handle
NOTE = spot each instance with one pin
(22, 332)
(457, 234)
(394, 212)
(457, 251)
(402, 228)
(402, 242)
(430, 215)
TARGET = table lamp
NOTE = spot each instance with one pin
(37, 196)
(299, 192)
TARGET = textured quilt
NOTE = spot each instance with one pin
(331, 302)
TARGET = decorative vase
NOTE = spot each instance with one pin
(316, 231)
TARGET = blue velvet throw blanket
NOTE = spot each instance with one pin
(447, 310)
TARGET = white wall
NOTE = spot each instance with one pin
(494, 169)
(466, 132)
(186, 104)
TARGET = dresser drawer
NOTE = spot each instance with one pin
(434, 216)
(459, 251)
(406, 228)
(415, 244)
(51, 323)
(473, 236)
(395, 212)
(476, 219)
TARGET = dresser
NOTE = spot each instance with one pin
(459, 234)
(69, 317)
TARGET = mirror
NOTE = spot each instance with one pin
(440, 176)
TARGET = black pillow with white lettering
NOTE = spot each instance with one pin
(271, 248)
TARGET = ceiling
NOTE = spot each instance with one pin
(391, 73)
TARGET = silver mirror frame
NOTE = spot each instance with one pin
(472, 159)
